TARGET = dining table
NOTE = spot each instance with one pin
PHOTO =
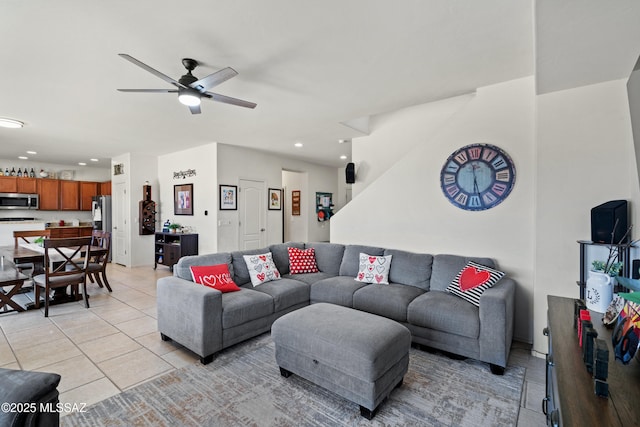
(25, 253)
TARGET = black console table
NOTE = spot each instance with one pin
(570, 398)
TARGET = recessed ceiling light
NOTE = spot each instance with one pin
(31, 152)
(10, 123)
(343, 157)
(82, 163)
(23, 157)
(298, 144)
(94, 160)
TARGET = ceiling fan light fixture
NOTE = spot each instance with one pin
(189, 99)
(10, 123)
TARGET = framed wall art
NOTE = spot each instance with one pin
(183, 199)
(295, 202)
(228, 197)
(275, 199)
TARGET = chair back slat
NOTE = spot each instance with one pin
(61, 256)
(101, 239)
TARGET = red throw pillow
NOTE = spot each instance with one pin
(214, 276)
(302, 261)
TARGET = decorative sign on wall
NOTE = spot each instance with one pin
(324, 206)
(295, 202)
(184, 174)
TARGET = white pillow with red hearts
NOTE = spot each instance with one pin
(471, 282)
(374, 269)
(261, 268)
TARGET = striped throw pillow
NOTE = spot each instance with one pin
(471, 282)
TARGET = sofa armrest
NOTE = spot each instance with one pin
(497, 306)
(190, 314)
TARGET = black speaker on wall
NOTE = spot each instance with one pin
(606, 217)
(350, 172)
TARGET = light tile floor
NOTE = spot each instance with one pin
(114, 345)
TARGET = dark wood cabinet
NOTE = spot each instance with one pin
(69, 231)
(88, 190)
(147, 217)
(570, 397)
(49, 193)
(69, 195)
(27, 185)
(105, 188)
(170, 247)
(8, 184)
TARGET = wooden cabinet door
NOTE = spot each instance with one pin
(27, 185)
(69, 195)
(49, 192)
(105, 188)
(87, 191)
(8, 184)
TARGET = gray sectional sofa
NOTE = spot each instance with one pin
(206, 321)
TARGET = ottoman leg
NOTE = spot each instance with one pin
(285, 373)
(368, 413)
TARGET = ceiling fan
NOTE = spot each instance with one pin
(190, 90)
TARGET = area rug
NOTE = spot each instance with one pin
(243, 387)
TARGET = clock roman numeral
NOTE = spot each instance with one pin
(488, 154)
(503, 175)
(452, 190)
(499, 188)
(461, 198)
(499, 163)
(474, 152)
(449, 179)
(489, 198)
(474, 202)
(461, 157)
(452, 167)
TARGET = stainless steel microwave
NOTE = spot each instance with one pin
(18, 201)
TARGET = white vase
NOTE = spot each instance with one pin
(599, 291)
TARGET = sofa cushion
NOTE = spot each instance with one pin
(410, 268)
(309, 278)
(243, 306)
(286, 293)
(446, 267)
(261, 268)
(471, 282)
(183, 268)
(302, 261)
(335, 290)
(328, 256)
(240, 272)
(280, 254)
(351, 259)
(442, 311)
(214, 276)
(390, 301)
(374, 269)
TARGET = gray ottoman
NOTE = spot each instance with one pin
(359, 356)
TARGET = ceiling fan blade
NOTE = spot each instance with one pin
(195, 109)
(229, 100)
(150, 90)
(151, 70)
(214, 79)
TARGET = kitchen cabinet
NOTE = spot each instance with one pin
(105, 188)
(70, 231)
(88, 190)
(69, 195)
(8, 184)
(49, 193)
(27, 185)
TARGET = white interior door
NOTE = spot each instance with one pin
(252, 207)
(119, 219)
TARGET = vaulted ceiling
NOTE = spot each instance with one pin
(311, 66)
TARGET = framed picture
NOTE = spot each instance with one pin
(295, 202)
(183, 199)
(275, 199)
(228, 197)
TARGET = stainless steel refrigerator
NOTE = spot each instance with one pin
(101, 214)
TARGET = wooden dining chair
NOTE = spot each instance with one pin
(29, 236)
(97, 267)
(65, 264)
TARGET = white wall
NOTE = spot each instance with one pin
(203, 160)
(405, 208)
(585, 157)
(235, 163)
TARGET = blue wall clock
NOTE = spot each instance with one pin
(477, 177)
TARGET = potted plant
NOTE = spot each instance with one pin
(174, 227)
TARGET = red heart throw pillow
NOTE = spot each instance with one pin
(471, 278)
(214, 276)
